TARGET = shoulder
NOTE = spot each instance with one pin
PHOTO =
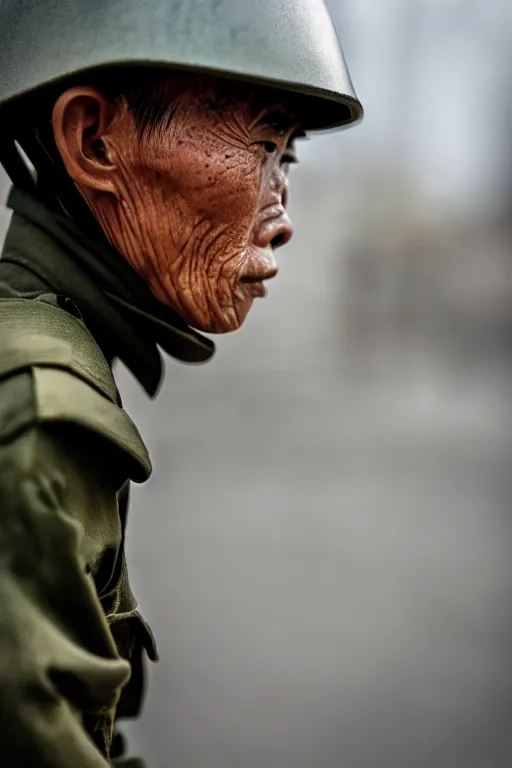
(52, 372)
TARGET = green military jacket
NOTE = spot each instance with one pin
(72, 641)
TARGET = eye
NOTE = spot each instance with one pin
(288, 157)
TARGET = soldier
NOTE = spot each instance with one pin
(160, 132)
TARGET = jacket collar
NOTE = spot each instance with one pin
(121, 312)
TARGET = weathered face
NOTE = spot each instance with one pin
(197, 205)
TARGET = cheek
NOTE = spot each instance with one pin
(232, 188)
(217, 181)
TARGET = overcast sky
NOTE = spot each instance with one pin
(431, 75)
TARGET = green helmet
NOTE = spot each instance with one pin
(286, 44)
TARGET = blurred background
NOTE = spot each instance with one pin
(324, 548)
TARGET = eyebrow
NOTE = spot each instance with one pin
(282, 122)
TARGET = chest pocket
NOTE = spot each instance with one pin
(133, 636)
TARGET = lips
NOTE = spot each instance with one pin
(261, 265)
(259, 268)
(255, 288)
(272, 229)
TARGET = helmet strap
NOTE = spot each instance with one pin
(14, 164)
(54, 187)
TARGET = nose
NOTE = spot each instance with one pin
(283, 234)
(273, 228)
(279, 184)
(277, 230)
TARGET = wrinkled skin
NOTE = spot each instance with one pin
(197, 205)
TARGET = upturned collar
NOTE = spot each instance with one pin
(127, 321)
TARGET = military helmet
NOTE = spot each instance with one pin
(290, 45)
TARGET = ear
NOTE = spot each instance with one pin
(80, 118)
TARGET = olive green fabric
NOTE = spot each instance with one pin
(287, 44)
(60, 339)
(72, 361)
(72, 641)
(67, 614)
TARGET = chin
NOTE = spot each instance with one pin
(224, 322)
